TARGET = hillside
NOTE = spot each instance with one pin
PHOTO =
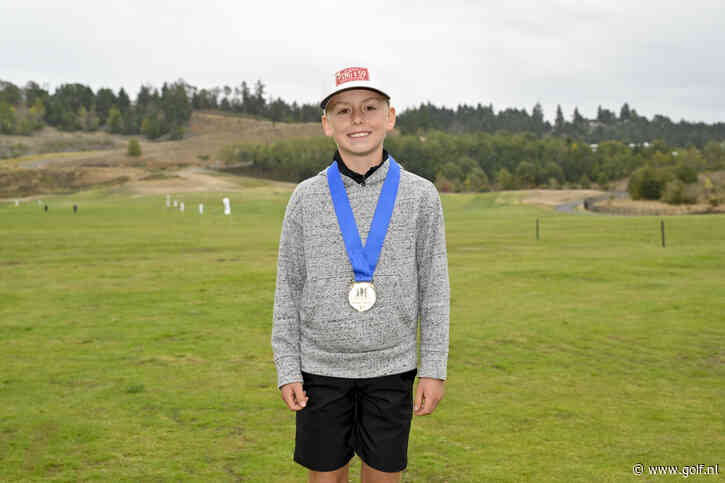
(59, 161)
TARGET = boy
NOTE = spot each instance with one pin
(362, 258)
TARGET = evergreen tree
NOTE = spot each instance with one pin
(559, 122)
(105, 98)
(624, 112)
(124, 102)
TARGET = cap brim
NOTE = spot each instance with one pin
(324, 102)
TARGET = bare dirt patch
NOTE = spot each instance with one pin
(641, 207)
(557, 197)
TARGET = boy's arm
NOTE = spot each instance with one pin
(290, 281)
(433, 288)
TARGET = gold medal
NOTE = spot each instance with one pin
(362, 296)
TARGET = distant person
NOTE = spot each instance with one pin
(45, 207)
(75, 208)
(362, 258)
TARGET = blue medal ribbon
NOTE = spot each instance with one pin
(364, 259)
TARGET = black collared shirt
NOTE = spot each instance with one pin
(357, 177)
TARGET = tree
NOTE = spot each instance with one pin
(8, 119)
(452, 171)
(114, 123)
(144, 98)
(134, 148)
(537, 119)
(33, 92)
(476, 181)
(105, 98)
(87, 119)
(258, 101)
(647, 183)
(37, 113)
(276, 110)
(246, 98)
(151, 126)
(10, 93)
(124, 102)
(526, 172)
(505, 180)
(559, 122)
(624, 113)
(605, 115)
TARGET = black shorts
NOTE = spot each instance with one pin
(370, 417)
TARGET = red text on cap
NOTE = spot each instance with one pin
(352, 74)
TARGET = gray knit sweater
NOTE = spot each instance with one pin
(315, 328)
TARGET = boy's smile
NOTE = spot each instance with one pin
(358, 120)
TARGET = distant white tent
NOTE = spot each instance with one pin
(201, 208)
(168, 201)
(227, 206)
(181, 206)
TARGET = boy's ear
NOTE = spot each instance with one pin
(326, 126)
(391, 119)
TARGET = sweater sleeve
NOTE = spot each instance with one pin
(287, 295)
(433, 288)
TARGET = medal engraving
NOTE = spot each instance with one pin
(362, 296)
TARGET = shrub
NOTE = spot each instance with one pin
(477, 180)
(673, 192)
(648, 183)
(505, 179)
(585, 182)
(444, 184)
(134, 148)
(177, 133)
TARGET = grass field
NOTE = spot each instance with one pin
(134, 344)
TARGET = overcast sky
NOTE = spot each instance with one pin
(660, 56)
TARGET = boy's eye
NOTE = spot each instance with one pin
(343, 110)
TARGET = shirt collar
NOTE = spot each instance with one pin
(357, 177)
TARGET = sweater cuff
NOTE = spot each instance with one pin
(288, 370)
(433, 365)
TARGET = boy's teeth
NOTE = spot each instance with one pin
(358, 135)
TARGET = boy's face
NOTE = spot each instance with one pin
(358, 121)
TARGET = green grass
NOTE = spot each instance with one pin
(134, 343)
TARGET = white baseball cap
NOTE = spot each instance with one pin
(354, 78)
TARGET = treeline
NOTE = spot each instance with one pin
(481, 161)
(243, 100)
(74, 107)
(627, 126)
(154, 113)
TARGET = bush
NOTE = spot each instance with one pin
(134, 148)
(476, 181)
(648, 183)
(445, 185)
(673, 193)
(687, 174)
(505, 180)
(177, 133)
(585, 182)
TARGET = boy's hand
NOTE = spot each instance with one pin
(429, 393)
(294, 396)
